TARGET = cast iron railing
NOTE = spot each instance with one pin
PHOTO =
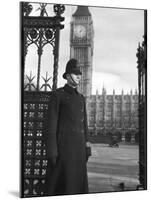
(142, 85)
(40, 31)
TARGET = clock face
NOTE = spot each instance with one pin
(80, 31)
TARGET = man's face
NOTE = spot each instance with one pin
(73, 79)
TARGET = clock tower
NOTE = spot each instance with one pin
(81, 46)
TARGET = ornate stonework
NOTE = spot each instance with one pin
(114, 114)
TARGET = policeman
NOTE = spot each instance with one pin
(67, 139)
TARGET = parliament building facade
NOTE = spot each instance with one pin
(107, 114)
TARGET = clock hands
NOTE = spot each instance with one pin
(80, 31)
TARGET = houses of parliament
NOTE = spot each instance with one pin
(107, 114)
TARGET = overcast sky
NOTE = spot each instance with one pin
(117, 33)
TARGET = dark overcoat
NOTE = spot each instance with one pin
(67, 136)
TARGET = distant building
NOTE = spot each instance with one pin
(114, 114)
(107, 114)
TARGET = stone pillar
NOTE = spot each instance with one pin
(95, 129)
(133, 138)
(123, 136)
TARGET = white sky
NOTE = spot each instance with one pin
(117, 33)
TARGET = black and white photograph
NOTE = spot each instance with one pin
(83, 99)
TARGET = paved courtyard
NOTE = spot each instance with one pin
(108, 167)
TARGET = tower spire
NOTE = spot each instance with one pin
(113, 91)
(97, 93)
(82, 11)
(103, 90)
(122, 92)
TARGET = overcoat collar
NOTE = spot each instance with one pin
(70, 89)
